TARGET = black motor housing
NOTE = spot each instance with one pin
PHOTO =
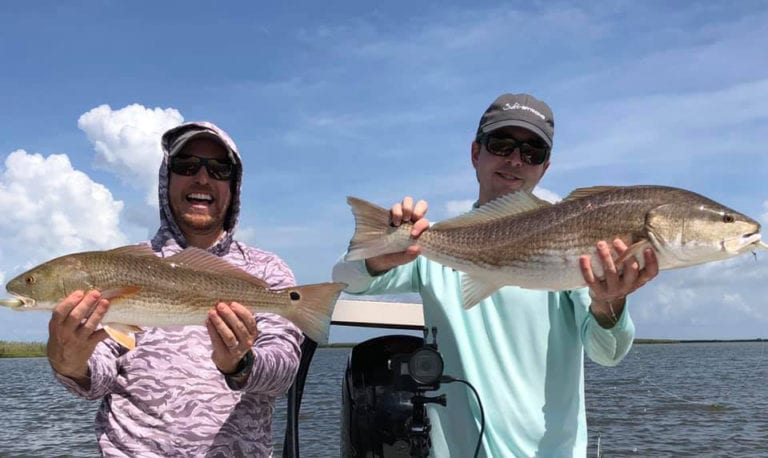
(376, 398)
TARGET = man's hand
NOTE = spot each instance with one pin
(73, 334)
(609, 293)
(233, 331)
(403, 212)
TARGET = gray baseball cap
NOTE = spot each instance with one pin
(520, 110)
(174, 140)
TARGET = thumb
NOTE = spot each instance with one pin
(96, 337)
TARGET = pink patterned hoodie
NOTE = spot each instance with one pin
(166, 398)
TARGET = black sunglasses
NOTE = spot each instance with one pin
(218, 169)
(531, 152)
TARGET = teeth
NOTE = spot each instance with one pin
(199, 196)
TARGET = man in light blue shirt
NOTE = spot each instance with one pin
(523, 350)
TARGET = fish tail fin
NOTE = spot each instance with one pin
(372, 228)
(313, 308)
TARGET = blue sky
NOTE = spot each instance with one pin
(379, 100)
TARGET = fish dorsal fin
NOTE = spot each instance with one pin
(584, 192)
(202, 260)
(515, 203)
(132, 250)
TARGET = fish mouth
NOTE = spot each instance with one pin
(744, 243)
(12, 303)
(18, 302)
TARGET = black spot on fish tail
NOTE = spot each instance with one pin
(295, 296)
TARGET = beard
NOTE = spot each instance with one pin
(199, 223)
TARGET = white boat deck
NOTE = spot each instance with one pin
(399, 315)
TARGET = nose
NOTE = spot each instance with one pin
(514, 158)
(202, 175)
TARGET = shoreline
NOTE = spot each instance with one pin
(9, 349)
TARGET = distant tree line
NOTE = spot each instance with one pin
(21, 349)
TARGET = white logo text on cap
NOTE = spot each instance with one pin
(517, 106)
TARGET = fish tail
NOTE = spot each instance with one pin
(313, 308)
(372, 230)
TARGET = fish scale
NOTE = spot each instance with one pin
(520, 240)
(177, 294)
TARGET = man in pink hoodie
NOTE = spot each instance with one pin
(189, 391)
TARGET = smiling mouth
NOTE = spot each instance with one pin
(507, 176)
(200, 198)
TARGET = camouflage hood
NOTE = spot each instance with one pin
(169, 233)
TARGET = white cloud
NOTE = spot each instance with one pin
(50, 209)
(546, 194)
(127, 142)
(713, 300)
(457, 207)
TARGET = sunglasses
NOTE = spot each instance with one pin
(218, 169)
(531, 152)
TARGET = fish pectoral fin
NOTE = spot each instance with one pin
(475, 289)
(114, 294)
(636, 249)
(123, 334)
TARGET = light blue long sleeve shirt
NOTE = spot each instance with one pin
(522, 350)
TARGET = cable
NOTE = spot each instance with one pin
(449, 379)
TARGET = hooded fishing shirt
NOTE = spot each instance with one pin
(166, 398)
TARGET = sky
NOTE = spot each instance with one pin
(379, 100)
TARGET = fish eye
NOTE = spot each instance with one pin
(728, 218)
(29, 279)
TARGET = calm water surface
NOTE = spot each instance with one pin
(662, 401)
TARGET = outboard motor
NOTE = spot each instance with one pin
(377, 398)
(384, 396)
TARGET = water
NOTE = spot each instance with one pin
(682, 400)
(664, 400)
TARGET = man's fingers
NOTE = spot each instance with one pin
(97, 336)
(380, 264)
(419, 226)
(585, 263)
(217, 318)
(396, 214)
(63, 309)
(610, 272)
(92, 323)
(237, 325)
(216, 339)
(419, 210)
(246, 317)
(651, 268)
(407, 209)
(83, 309)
